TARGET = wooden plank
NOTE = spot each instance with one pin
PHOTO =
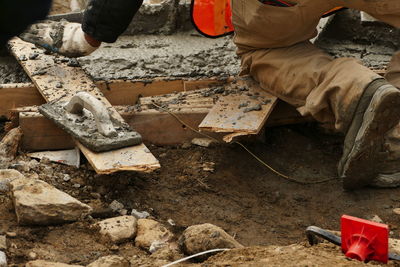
(18, 95)
(156, 127)
(55, 79)
(117, 92)
(233, 113)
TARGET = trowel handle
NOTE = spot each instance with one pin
(100, 113)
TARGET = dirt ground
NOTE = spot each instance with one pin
(241, 196)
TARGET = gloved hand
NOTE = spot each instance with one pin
(61, 37)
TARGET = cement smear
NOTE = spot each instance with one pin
(180, 55)
(346, 36)
(11, 71)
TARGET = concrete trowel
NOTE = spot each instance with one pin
(89, 121)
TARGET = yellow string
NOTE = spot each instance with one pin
(245, 148)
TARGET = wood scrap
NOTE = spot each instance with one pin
(242, 112)
(57, 79)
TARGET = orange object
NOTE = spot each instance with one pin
(212, 18)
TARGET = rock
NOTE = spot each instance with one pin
(116, 206)
(150, 231)
(6, 176)
(157, 245)
(11, 234)
(41, 263)
(32, 255)
(119, 229)
(36, 202)
(199, 238)
(3, 259)
(3, 242)
(110, 261)
(376, 219)
(204, 142)
(140, 215)
(9, 146)
(396, 211)
(387, 180)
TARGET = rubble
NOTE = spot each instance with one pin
(110, 261)
(203, 237)
(42, 263)
(118, 229)
(39, 203)
(3, 243)
(3, 259)
(204, 142)
(6, 177)
(140, 215)
(9, 147)
(150, 231)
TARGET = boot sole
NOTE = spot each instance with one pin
(382, 114)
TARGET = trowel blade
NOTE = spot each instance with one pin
(84, 129)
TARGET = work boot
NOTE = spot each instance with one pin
(377, 112)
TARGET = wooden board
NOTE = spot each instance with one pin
(232, 113)
(56, 80)
(156, 127)
(117, 92)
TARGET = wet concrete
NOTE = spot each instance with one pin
(372, 43)
(180, 55)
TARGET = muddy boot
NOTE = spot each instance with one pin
(377, 112)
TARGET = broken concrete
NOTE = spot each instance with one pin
(9, 147)
(38, 203)
(110, 261)
(199, 238)
(150, 231)
(6, 177)
(118, 229)
(3, 259)
(42, 263)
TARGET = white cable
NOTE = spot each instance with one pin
(196, 255)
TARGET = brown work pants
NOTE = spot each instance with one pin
(274, 46)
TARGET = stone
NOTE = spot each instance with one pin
(396, 211)
(116, 206)
(110, 261)
(204, 142)
(6, 176)
(9, 146)
(3, 242)
(199, 238)
(376, 219)
(140, 215)
(42, 263)
(3, 259)
(39, 203)
(150, 231)
(118, 229)
(32, 255)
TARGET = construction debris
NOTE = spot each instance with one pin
(203, 237)
(71, 157)
(42, 263)
(6, 177)
(3, 259)
(118, 229)
(39, 203)
(110, 261)
(9, 147)
(151, 232)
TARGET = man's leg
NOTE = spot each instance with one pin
(358, 101)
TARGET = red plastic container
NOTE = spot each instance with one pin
(364, 240)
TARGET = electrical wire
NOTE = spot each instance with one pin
(286, 177)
